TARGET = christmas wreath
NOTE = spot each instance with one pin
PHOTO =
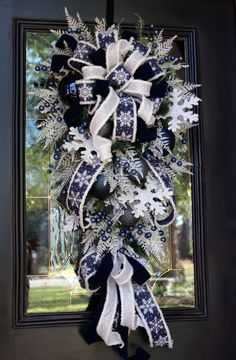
(114, 108)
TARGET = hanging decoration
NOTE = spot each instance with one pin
(114, 109)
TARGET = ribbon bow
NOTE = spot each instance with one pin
(126, 301)
(117, 78)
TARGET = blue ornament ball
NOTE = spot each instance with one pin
(135, 175)
(68, 90)
(128, 218)
(100, 190)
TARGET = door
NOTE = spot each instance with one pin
(198, 304)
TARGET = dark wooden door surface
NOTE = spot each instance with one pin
(209, 338)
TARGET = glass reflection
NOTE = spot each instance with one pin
(52, 284)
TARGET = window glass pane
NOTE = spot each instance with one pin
(52, 285)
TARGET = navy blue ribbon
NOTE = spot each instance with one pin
(69, 40)
(99, 280)
(59, 62)
(73, 115)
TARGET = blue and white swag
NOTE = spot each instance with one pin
(138, 306)
(117, 80)
(120, 104)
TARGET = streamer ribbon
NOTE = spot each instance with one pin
(126, 301)
(80, 184)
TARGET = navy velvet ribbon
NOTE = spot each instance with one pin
(69, 40)
(59, 61)
(145, 134)
(140, 354)
(99, 280)
(159, 90)
(99, 57)
(101, 88)
(144, 72)
(127, 34)
(73, 115)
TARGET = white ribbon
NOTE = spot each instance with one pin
(138, 88)
(145, 111)
(115, 53)
(121, 275)
(132, 295)
(134, 61)
(100, 117)
(93, 72)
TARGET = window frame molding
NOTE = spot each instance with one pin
(21, 319)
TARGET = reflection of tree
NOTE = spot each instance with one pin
(38, 49)
(37, 159)
(182, 227)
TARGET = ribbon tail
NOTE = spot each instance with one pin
(105, 323)
(155, 325)
(101, 116)
(103, 146)
(145, 111)
(83, 177)
(122, 330)
(89, 333)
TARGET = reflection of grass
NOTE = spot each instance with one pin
(55, 299)
(178, 293)
(176, 288)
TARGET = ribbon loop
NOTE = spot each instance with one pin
(82, 56)
(116, 52)
(106, 37)
(93, 72)
(143, 49)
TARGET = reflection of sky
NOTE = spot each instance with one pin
(34, 58)
(31, 62)
(31, 133)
